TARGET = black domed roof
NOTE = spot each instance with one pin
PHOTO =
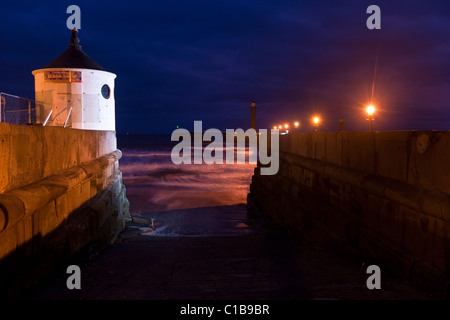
(74, 57)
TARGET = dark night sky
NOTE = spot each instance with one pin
(180, 61)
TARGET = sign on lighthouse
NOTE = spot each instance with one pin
(75, 91)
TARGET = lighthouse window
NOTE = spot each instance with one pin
(106, 91)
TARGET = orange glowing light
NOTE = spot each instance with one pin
(280, 127)
(275, 127)
(316, 120)
(286, 126)
(370, 110)
(296, 124)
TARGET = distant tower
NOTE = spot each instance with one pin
(252, 121)
(74, 90)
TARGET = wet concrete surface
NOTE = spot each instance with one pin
(216, 253)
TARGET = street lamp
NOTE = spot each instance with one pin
(370, 111)
(288, 125)
(316, 121)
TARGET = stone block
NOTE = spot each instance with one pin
(295, 143)
(12, 210)
(56, 153)
(47, 219)
(25, 158)
(436, 203)
(374, 184)
(8, 240)
(334, 192)
(430, 279)
(100, 204)
(36, 195)
(441, 246)
(109, 142)
(300, 143)
(294, 190)
(372, 212)
(89, 138)
(25, 234)
(418, 234)
(308, 178)
(391, 154)
(382, 252)
(76, 198)
(347, 176)
(403, 193)
(392, 222)
(359, 151)
(428, 159)
(318, 146)
(5, 152)
(285, 143)
(333, 148)
(62, 206)
(69, 178)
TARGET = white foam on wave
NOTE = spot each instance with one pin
(156, 181)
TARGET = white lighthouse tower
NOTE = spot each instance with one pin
(75, 91)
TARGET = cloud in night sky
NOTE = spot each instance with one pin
(180, 61)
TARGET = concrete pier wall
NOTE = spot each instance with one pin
(382, 198)
(61, 191)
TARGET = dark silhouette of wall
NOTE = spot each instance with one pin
(62, 191)
(380, 197)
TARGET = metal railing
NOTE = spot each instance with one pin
(17, 110)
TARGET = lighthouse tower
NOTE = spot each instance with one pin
(75, 91)
(253, 111)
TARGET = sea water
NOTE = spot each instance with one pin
(158, 188)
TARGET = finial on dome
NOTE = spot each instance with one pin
(74, 40)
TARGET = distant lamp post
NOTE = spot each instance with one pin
(341, 124)
(280, 127)
(286, 126)
(296, 124)
(275, 127)
(316, 121)
(370, 110)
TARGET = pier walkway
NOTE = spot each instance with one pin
(216, 253)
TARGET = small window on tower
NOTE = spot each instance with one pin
(106, 91)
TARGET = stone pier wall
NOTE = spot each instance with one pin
(382, 198)
(61, 191)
